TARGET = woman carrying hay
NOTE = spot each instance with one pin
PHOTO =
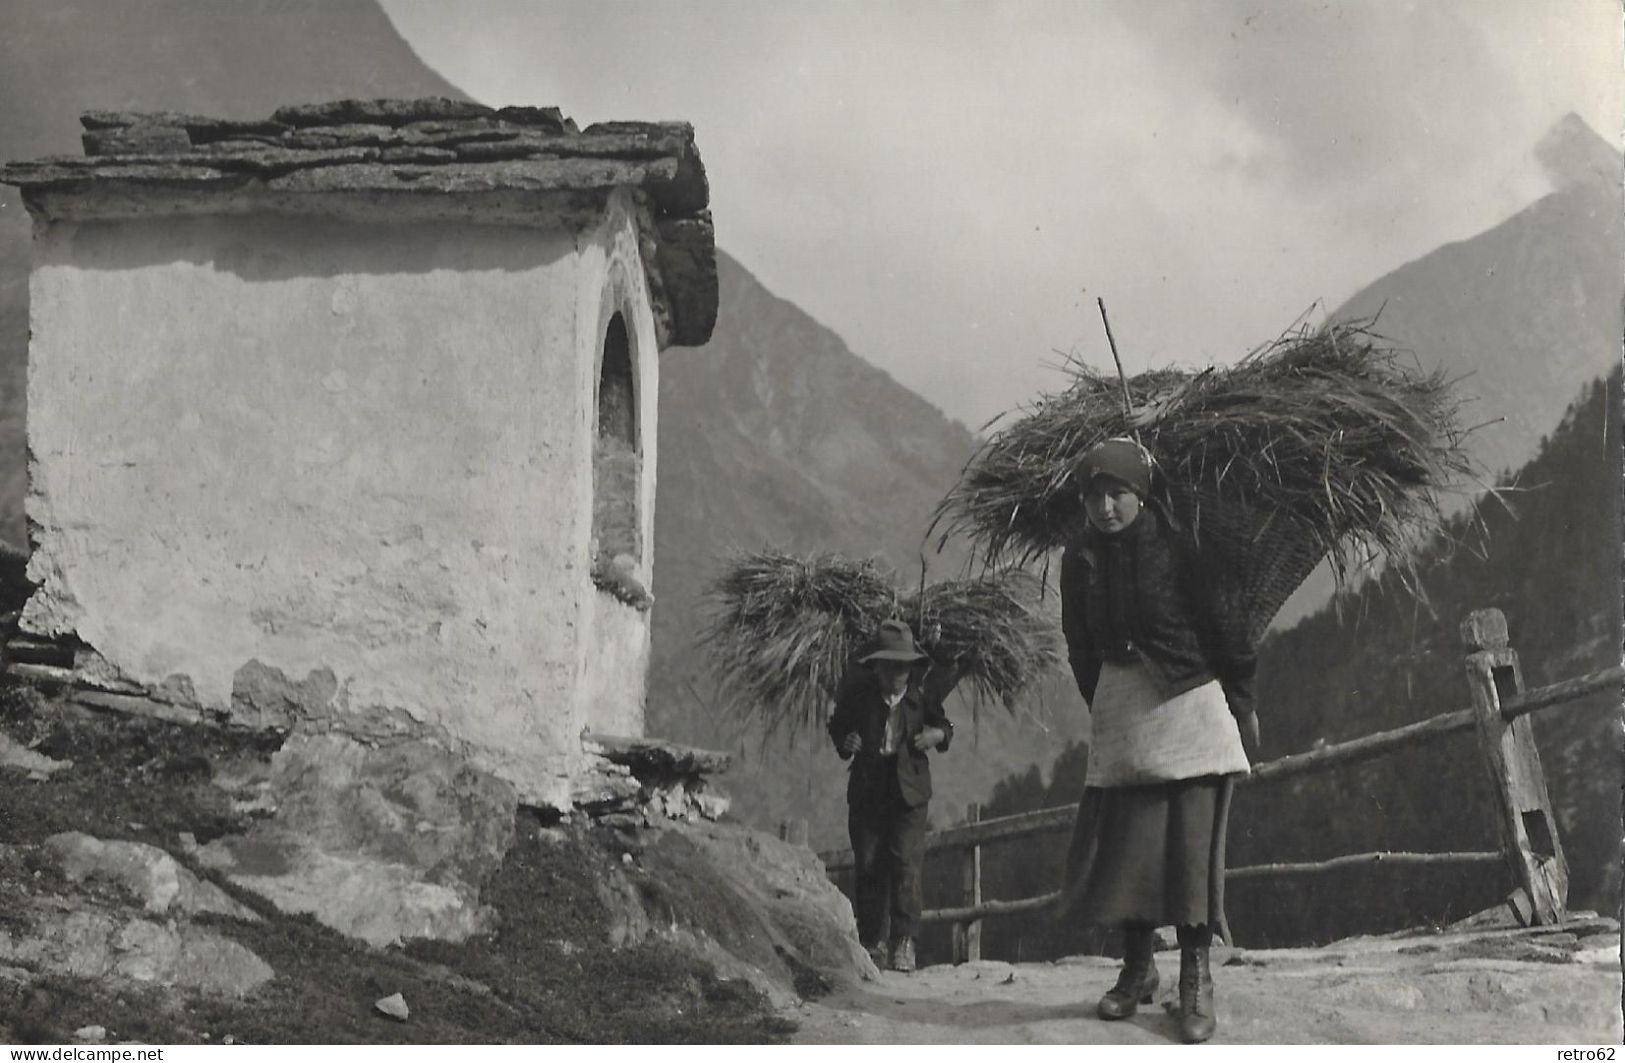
(1169, 685)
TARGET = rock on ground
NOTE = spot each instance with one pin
(18, 757)
(90, 942)
(394, 1006)
(146, 872)
(383, 842)
(756, 907)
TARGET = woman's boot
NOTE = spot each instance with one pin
(1137, 983)
(1196, 1019)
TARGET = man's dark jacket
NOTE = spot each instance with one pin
(1140, 595)
(861, 707)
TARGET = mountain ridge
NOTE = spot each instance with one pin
(1523, 312)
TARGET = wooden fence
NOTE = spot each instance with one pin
(1500, 711)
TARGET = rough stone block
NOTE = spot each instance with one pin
(202, 129)
(137, 140)
(394, 1006)
(242, 143)
(382, 112)
(761, 898)
(423, 154)
(146, 872)
(686, 258)
(350, 135)
(266, 697)
(712, 805)
(373, 900)
(606, 789)
(17, 757)
(93, 943)
(456, 134)
(383, 843)
(654, 758)
(270, 161)
(547, 118)
(495, 150)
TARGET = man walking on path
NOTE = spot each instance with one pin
(884, 721)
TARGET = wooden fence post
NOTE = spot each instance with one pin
(1528, 824)
(968, 935)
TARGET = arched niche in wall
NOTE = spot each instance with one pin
(617, 460)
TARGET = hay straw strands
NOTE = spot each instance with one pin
(987, 632)
(784, 630)
(1324, 438)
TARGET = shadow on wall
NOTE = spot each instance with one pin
(269, 248)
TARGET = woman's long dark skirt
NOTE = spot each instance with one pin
(1149, 854)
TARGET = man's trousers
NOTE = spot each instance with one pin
(888, 847)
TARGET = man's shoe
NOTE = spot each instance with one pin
(1137, 983)
(879, 954)
(902, 955)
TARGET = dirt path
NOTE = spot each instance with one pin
(1542, 987)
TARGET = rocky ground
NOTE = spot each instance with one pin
(121, 923)
(1557, 985)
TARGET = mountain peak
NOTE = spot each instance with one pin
(1573, 154)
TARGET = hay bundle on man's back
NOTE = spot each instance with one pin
(785, 630)
(1322, 445)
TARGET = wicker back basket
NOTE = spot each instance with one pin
(1252, 558)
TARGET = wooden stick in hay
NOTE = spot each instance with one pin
(1122, 377)
(1322, 445)
(784, 630)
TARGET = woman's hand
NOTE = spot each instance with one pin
(928, 737)
(1248, 725)
(852, 743)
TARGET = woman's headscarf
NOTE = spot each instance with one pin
(1122, 459)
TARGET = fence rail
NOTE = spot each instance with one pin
(1500, 712)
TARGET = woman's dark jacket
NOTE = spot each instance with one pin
(1140, 595)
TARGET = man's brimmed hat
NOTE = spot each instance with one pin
(895, 642)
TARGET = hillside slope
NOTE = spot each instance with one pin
(1521, 315)
(1526, 312)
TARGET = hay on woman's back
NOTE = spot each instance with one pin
(1323, 445)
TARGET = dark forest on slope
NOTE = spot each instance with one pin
(1381, 660)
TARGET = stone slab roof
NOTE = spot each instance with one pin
(396, 152)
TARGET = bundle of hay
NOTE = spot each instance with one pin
(1322, 445)
(784, 630)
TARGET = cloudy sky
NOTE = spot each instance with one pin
(949, 185)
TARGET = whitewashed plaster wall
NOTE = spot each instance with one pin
(359, 447)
